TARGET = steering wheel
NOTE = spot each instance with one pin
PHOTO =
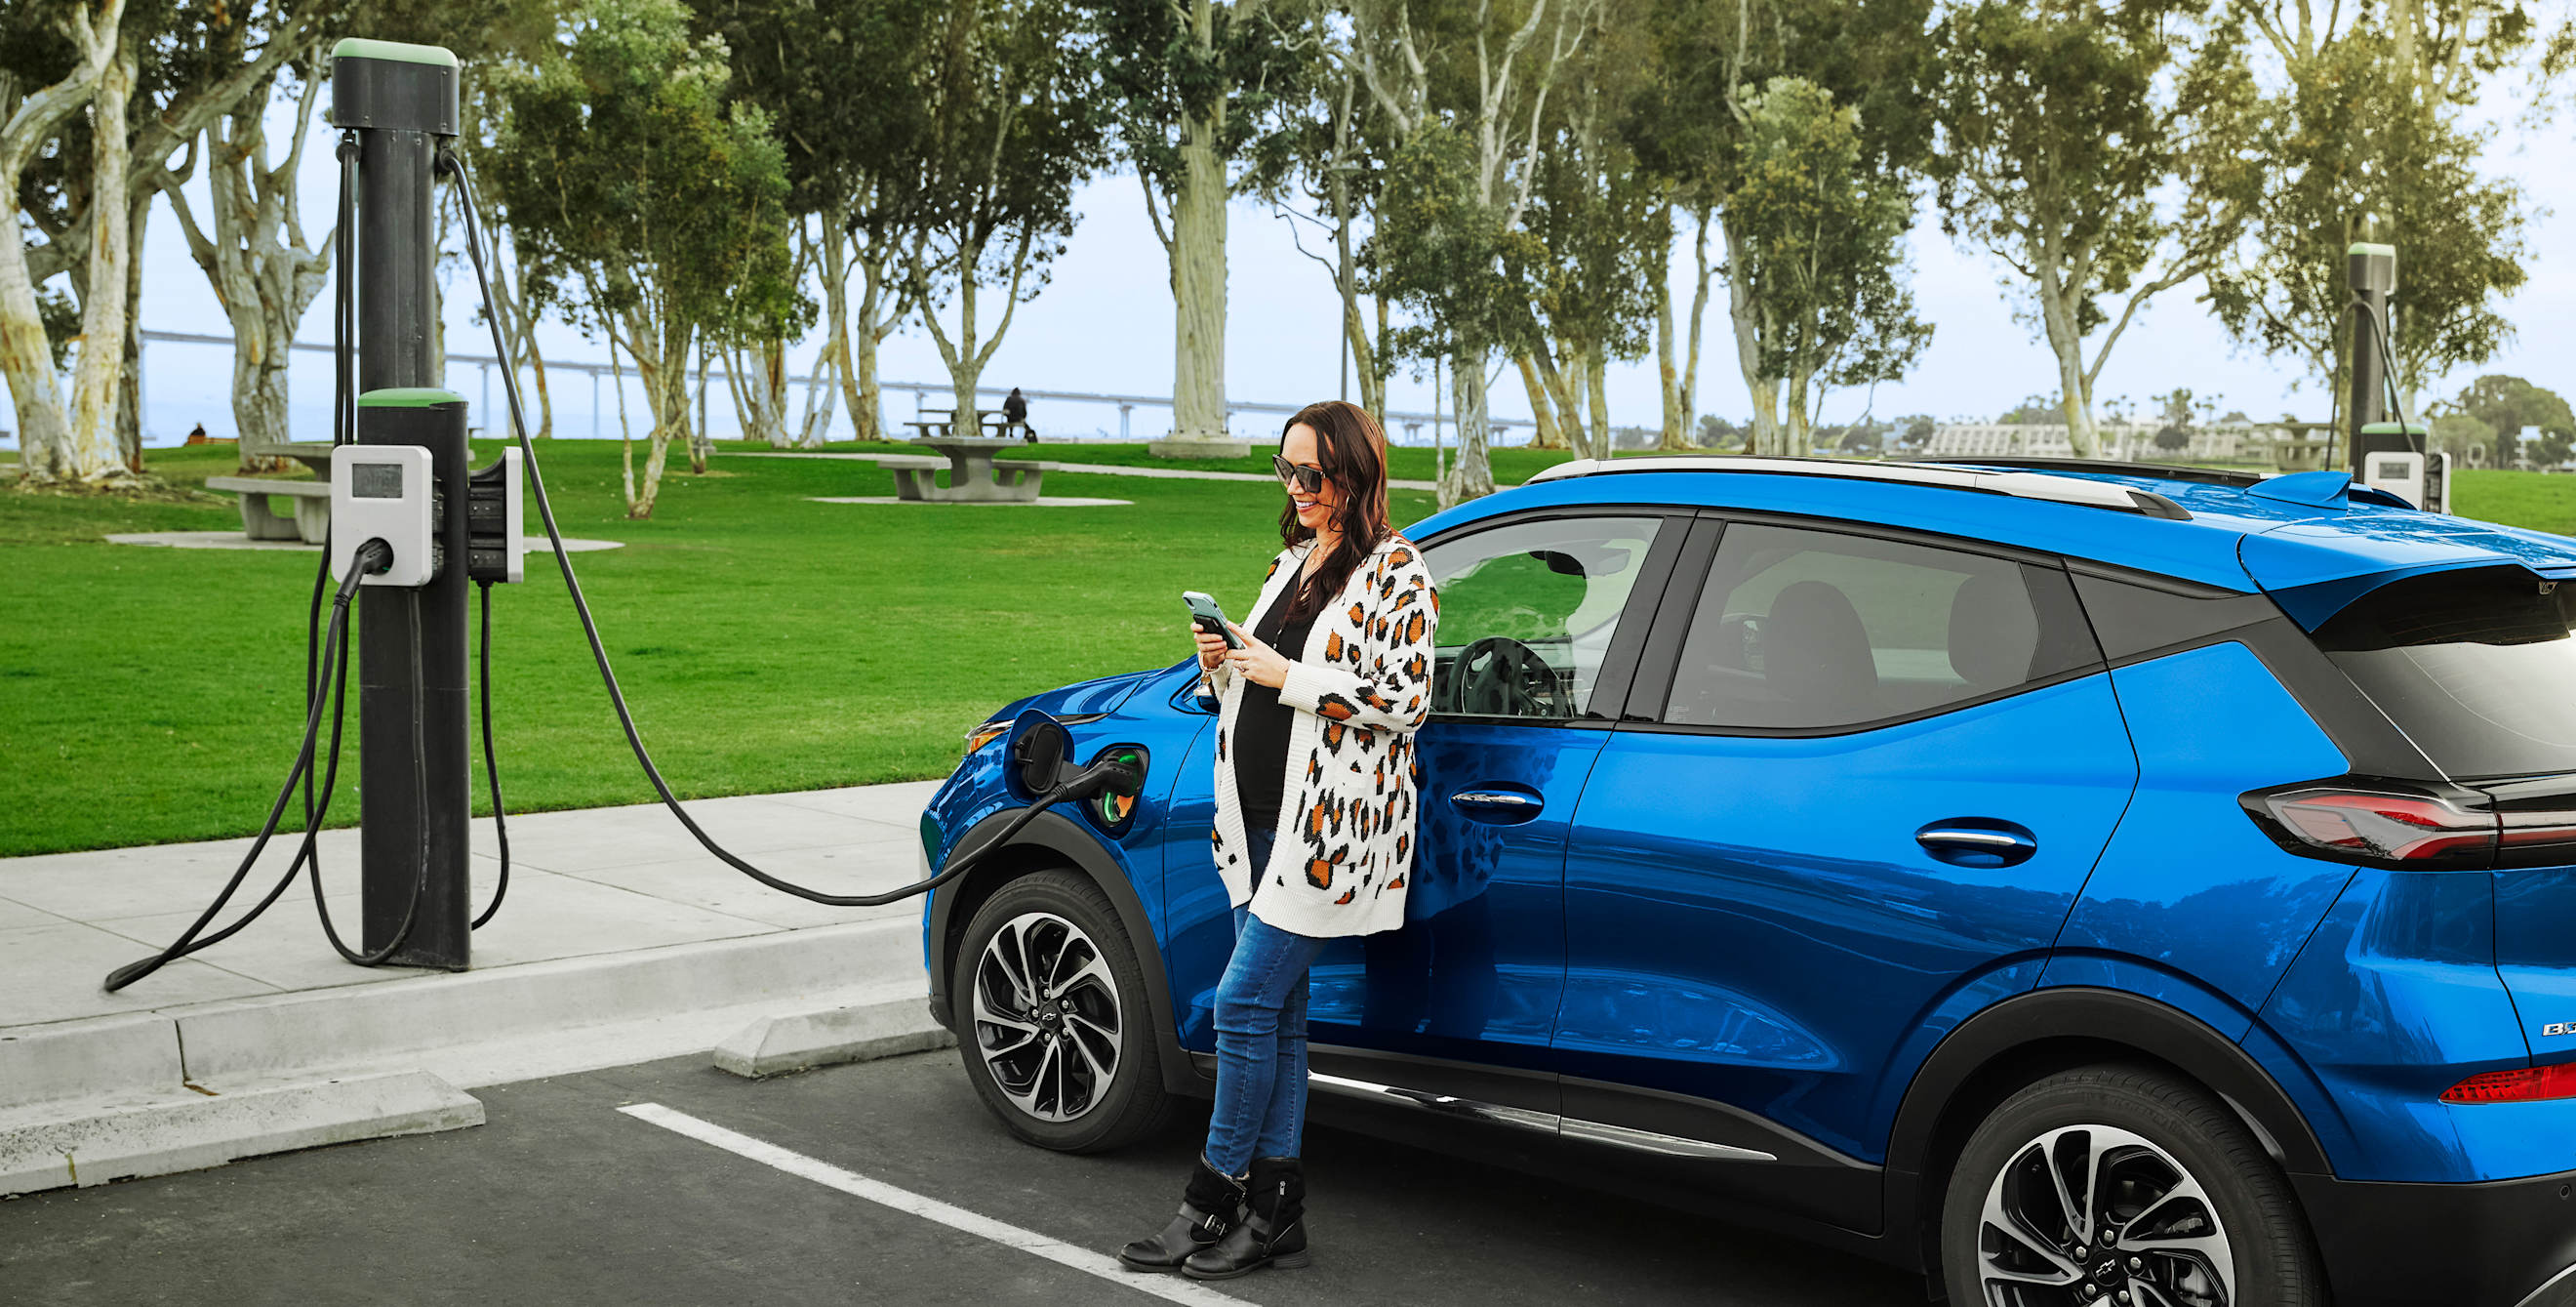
(1498, 676)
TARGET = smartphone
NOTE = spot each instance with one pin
(1210, 618)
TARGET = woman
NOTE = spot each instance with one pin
(1314, 833)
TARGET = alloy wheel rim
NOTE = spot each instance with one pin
(2088, 1214)
(1047, 1021)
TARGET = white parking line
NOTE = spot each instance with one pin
(1167, 1288)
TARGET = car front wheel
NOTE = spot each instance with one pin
(2125, 1186)
(1052, 1017)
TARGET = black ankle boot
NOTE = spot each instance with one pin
(1272, 1234)
(1210, 1206)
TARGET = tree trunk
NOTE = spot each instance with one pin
(92, 456)
(1698, 315)
(700, 445)
(1796, 440)
(1475, 473)
(537, 373)
(1198, 277)
(1677, 419)
(2066, 340)
(1747, 317)
(1546, 434)
(821, 396)
(625, 437)
(129, 403)
(757, 379)
(666, 395)
(1597, 368)
(26, 356)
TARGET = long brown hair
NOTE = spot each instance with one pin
(1351, 449)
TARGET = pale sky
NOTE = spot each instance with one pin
(1104, 324)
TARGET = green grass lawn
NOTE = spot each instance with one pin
(766, 642)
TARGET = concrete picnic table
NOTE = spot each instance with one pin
(975, 474)
(310, 520)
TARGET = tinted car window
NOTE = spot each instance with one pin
(2474, 666)
(1802, 629)
(1527, 612)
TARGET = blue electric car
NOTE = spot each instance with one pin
(2081, 882)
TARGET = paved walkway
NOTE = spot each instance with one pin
(1103, 469)
(589, 882)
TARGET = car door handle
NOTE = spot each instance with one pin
(1509, 807)
(1977, 842)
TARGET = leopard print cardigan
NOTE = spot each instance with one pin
(1361, 686)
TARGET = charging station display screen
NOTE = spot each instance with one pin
(376, 481)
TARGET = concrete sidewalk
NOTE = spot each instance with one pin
(620, 941)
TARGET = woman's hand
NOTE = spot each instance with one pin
(1211, 648)
(1257, 662)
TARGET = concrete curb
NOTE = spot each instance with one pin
(198, 1085)
(802, 1041)
(367, 1025)
(94, 1058)
(159, 1138)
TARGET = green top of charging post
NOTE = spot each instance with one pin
(359, 47)
(409, 397)
(2365, 247)
(392, 86)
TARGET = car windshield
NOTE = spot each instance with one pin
(2477, 667)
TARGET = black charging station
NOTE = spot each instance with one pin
(402, 103)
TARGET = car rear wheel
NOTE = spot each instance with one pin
(1052, 1018)
(2123, 1186)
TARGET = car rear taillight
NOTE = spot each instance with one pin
(2528, 1084)
(2374, 824)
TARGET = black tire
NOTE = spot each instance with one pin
(1053, 914)
(2071, 1116)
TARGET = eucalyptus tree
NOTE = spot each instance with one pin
(153, 74)
(839, 80)
(646, 206)
(2377, 144)
(1463, 89)
(1196, 87)
(1324, 171)
(1012, 121)
(1693, 125)
(264, 270)
(53, 60)
(1819, 241)
(2106, 154)
(1603, 232)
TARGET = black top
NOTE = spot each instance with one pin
(1261, 725)
(1015, 407)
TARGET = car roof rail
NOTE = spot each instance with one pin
(2019, 484)
(2114, 467)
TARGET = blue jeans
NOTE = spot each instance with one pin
(1260, 1038)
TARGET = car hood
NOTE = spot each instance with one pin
(1083, 698)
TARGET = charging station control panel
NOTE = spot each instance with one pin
(384, 492)
(2421, 479)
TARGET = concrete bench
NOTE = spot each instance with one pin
(310, 521)
(974, 477)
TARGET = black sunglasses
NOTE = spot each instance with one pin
(1308, 479)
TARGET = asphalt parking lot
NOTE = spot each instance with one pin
(879, 1183)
